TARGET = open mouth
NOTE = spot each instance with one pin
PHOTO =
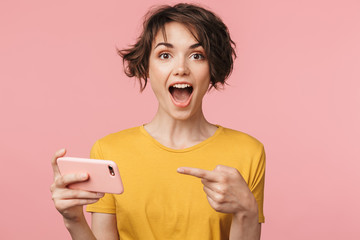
(181, 92)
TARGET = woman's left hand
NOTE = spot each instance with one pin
(226, 189)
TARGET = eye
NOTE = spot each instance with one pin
(164, 56)
(198, 56)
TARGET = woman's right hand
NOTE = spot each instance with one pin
(69, 202)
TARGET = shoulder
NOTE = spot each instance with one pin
(248, 149)
(238, 141)
(123, 135)
(119, 143)
(241, 137)
(120, 139)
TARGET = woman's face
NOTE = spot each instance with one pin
(179, 72)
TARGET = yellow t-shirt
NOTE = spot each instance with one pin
(159, 203)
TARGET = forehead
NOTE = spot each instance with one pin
(176, 32)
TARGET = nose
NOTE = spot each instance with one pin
(181, 67)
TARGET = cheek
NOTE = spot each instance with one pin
(157, 80)
(203, 75)
(156, 72)
(203, 70)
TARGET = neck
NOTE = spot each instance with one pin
(180, 133)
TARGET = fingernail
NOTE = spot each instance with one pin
(180, 170)
(61, 151)
(83, 175)
(100, 194)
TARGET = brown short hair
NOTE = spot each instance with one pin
(210, 32)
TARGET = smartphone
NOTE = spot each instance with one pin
(104, 175)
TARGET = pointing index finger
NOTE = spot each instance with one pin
(198, 172)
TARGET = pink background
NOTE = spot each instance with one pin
(295, 87)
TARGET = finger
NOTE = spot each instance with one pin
(215, 205)
(68, 203)
(215, 186)
(63, 181)
(223, 168)
(229, 171)
(59, 153)
(215, 196)
(76, 194)
(197, 172)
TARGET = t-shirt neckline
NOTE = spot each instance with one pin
(196, 146)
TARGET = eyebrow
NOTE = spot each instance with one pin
(169, 45)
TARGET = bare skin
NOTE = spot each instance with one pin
(227, 192)
(180, 59)
(176, 127)
(70, 204)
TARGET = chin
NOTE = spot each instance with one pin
(182, 115)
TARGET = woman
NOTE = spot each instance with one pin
(183, 51)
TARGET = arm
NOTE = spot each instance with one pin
(79, 229)
(70, 202)
(240, 231)
(104, 226)
(245, 226)
(227, 192)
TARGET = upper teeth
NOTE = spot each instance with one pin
(179, 85)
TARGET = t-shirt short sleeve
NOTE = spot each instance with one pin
(258, 181)
(106, 204)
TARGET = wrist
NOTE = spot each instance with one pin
(79, 228)
(246, 217)
(71, 222)
(251, 213)
(245, 222)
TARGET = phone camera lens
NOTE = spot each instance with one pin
(111, 170)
